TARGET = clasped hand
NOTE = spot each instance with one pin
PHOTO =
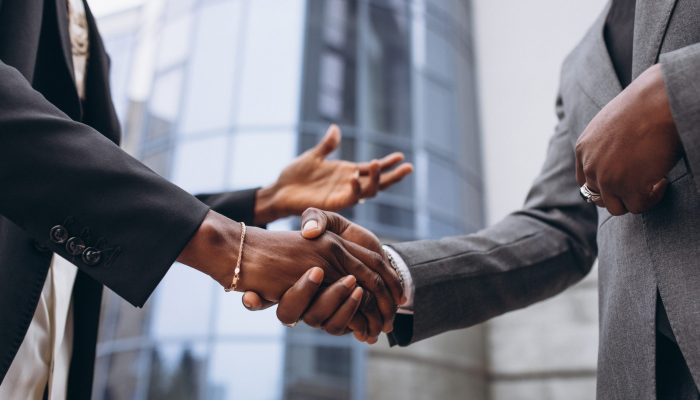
(629, 146)
(338, 308)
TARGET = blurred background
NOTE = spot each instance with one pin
(222, 94)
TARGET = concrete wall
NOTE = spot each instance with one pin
(547, 351)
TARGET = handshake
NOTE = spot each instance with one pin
(357, 288)
(333, 275)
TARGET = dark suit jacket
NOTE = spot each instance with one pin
(60, 164)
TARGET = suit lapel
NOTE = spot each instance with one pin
(651, 20)
(597, 77)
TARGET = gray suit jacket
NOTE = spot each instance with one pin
(553, 240)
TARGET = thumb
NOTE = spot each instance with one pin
(313, 223)
(329, 142)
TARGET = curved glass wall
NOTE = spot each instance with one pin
(238, 88)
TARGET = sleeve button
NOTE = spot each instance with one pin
(58, 234)
(75, 246)
(91, 256)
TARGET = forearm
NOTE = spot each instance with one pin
(267, 207)
(465, 280)
(55, 171)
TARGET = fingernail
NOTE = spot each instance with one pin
(247, 304)
(356, 294)
(316, 275)
(310, 225)
(349, 281)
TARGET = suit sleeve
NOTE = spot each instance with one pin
(57, 172)
(530, 255)
(681, 70)
(238, 205)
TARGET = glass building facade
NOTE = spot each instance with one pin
(237, 88)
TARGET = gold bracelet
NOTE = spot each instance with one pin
(237, 270)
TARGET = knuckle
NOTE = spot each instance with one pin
(588, 170)
(376, 283)
(312, 320)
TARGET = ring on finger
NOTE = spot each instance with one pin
(589, 195)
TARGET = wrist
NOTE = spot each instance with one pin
(213, 249)
(652, 92)
(267, 205)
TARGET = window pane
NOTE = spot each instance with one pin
(242, 371)
(388, 85)
(200, 165)
(211, 83)
(317, 372)
(174, 41)
(258, 157)
(177, 316)
(438, 111)
(271, 63)
(233, 319)
(176, 372)
(165, 99)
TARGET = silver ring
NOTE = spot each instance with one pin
(589, 195)
(292, 325)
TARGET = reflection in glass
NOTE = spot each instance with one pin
(247, 369)
(240, 88)
(174, 41)
(388, 84)
(258, 157)
(270, 62)
(211, 78)
(200, 165)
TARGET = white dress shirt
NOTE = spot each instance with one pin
(43, 359)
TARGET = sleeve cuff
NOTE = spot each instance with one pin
(681, 77)
(408, 286)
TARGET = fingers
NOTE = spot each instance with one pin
(379, 264)
(358, 326)
(371, 280)
(329, 142)
(369, 185)
(386, 178)
(338, 322)
(330, 302)
(253, 302)
(392, 177)
(298, 297)
(373, 316)
(613, 203)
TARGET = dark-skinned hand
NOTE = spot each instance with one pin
(315, 223)
(630, 146)
(274, 261)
